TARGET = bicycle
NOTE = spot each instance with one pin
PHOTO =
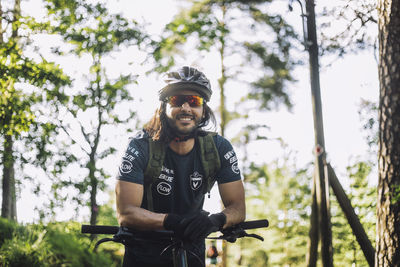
(124, 235)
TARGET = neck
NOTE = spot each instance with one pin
(182, 147)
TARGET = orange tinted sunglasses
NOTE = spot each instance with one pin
(179, 100)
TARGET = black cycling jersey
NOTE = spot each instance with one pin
(178, 187)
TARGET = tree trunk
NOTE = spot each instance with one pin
(388, 204)
(312, 255)
(94, 209)
(8, 207)
(16, 17)
(322, 184)
(352, 218)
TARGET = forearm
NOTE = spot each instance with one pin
(140, 219)
(232, 195)
(129, 213)
(235, 214)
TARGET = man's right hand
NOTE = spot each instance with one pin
(178, 223)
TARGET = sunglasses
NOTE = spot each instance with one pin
(179, 100)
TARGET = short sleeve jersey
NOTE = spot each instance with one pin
(178, 189)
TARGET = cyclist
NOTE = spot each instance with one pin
(174, 197)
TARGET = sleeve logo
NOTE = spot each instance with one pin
(235, 167)
(231, 157)
(126, 167)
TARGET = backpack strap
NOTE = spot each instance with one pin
(153, 169)
(209, 159)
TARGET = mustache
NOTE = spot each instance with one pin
(185, 115)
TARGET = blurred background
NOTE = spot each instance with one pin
(80, 77)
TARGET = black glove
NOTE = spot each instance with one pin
(178, 223)
(202, 225)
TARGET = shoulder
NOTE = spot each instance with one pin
(139, 141)
(141, 134)
(220, 141)
(139, 137)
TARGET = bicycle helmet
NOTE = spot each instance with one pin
(187, 78)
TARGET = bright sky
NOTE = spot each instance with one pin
(342, 86)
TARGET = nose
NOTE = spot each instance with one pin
(185, 106)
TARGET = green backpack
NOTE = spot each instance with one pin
(209, 159)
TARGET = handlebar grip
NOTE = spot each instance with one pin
(99, 229)
(254, 224)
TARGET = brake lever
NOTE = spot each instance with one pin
(255, 236)
(122, 236)
(232, 234)
(104, 240)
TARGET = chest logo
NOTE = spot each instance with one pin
(196, 179)
(164, 189)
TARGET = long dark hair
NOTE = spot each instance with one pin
(159, 130)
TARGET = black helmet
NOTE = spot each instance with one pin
(187, 78)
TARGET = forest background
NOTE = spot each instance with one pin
(70, 119)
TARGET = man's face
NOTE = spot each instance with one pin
(184, 115)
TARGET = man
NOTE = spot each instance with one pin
(174, 198)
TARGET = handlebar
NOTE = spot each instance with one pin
(99, 229)
(112, 230)
(123, 234)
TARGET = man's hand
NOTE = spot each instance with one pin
(194, 226)
(203, 225)
(178, 223)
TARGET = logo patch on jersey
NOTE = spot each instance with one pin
(164, 189)
(235, 167)
(126, 167)
(230, 155)
(196, 179)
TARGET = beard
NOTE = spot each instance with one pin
(180, 130)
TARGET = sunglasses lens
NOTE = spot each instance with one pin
(179, 100)
(194, 100)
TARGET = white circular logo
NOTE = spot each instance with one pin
(164, 189)
(235, 167)
(126, 166)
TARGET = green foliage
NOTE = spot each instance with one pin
(368, 112)
(396, 197)
(56, 244)
(355, 24)
(29, 83)
(282, 195)
(90, 28)
(18, 67)
(107, 212)
(95, 33)
(15, 105)
(14, 121)
(8, 229)
(259, 258)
